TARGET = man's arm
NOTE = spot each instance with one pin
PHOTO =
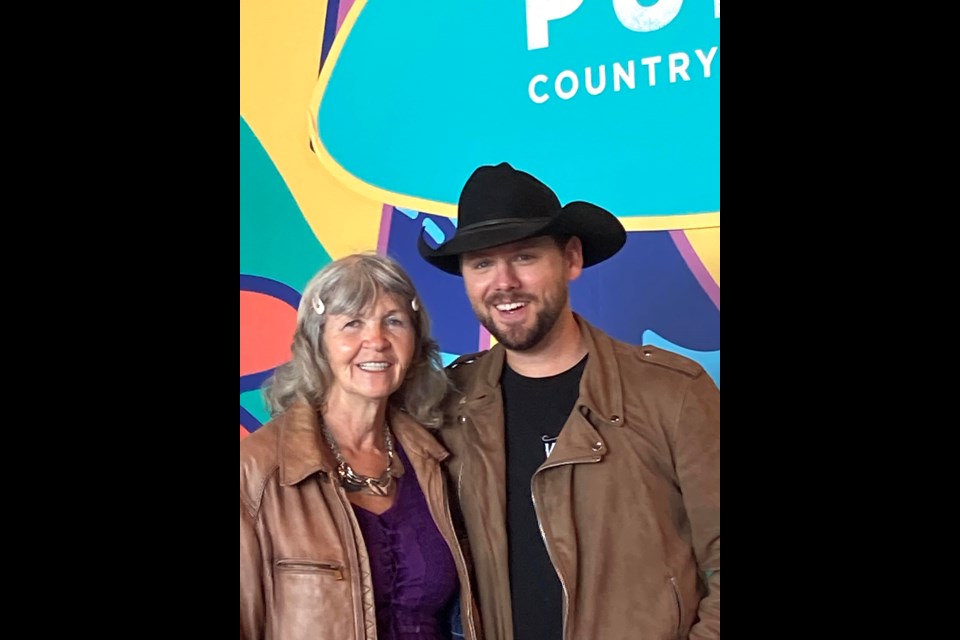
(697, 453)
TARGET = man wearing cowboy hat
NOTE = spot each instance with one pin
(587, 470)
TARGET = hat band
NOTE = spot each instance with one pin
(499, 221)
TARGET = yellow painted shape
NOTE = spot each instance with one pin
(669, 223)
(280, 46)
(706, 242)
(332, 166)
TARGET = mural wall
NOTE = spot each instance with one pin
(360, 122)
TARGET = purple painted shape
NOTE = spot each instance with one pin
(484, 339)
(453, 324)
(260, 284)
(689, 255)
(386, 215)
(342, 13)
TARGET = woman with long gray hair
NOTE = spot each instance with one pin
(345, 528)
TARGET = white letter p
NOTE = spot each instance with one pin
(539, 13)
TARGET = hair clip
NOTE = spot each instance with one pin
(415, 304)
(318, 305)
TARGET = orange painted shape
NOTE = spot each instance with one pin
(266, 329)
(243, 432)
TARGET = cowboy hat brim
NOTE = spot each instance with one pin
(600, 233)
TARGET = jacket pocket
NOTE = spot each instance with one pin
(308, 595)
(296, 565)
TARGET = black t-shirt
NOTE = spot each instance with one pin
(535, 410)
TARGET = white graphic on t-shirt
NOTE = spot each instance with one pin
(549, 442)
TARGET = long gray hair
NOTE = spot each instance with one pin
(350, 286)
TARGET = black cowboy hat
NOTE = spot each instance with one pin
(500, 204)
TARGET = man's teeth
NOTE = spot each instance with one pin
(374, 366)
(510, 306)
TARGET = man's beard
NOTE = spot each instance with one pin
(518, 337)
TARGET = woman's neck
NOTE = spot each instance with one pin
(356, 427)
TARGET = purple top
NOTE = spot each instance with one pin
(414, 576)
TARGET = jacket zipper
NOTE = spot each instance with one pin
(536, 508)
(347, 512)
(311, 566)
(676, 597)
(463, 560)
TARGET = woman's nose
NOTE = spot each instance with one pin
(376, 337)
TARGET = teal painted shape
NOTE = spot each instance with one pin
(447, 358)
(423, 92)
(252, 401)
(275, 240)
(709, 360)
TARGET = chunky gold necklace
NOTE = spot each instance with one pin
(352, 481)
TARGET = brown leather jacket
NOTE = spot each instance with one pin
(304, 571)
(628, 500)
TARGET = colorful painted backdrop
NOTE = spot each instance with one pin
(361, 120)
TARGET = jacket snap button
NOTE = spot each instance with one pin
(614, 419)
(648, 353)
(461, 419)
(597, 446)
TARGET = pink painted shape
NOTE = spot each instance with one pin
(484, 342)
(342, 11)
(386, 218)
(689, 254)
(243, 432)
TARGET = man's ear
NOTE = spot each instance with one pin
(573, 258)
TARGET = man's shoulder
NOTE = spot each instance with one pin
(467, 358)
(465, 374)
(646, 358)
(465, 366)
(644, 355)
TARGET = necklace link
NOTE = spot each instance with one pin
(352, 481)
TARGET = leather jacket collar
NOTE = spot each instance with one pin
(601, 391)
(301, 454)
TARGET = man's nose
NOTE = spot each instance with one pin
(506, 276)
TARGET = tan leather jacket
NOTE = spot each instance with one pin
(628, 500)
(304, 571)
